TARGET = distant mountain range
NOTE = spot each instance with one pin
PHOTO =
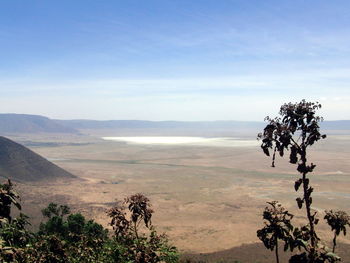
(336, 125)
(23, 123)
(21, 164)
(137, 124)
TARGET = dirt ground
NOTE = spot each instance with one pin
(205, 198)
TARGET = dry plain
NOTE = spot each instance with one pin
(206, 198)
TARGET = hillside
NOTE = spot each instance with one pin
(255, 252)
(24, 123)
(21, 164)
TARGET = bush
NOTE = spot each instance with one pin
(70, 238)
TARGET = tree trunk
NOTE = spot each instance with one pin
(334, 242)
(308, 210)
(276, 252)
(135, 231)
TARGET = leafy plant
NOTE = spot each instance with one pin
(277, 226)
(295, 130)
(126, 219)
(8, 197)
(139, 206)
(45, 249)
(7, 253)
(54, 209)
(70, 238)
(338, 221)
(15, 234)
(12, 231)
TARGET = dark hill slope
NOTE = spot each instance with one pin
(250, 253)
(21, 164)
(24, 123)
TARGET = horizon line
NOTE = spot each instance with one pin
(148, 120)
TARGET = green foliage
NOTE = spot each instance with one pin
(15, 234)
(8, 197)
(321, 256)
(94, 230)
(74, 239)
(70, 238)
(54, 226)
(75, 226)
(46, 249)
(55, 210)
(71, 228)
(145, 247)
(7, 253)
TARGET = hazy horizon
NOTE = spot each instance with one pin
(161, 120)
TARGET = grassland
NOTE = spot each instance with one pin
(206, 198)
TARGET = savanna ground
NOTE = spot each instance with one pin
(205, 198)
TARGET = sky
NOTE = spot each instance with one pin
(191, 60)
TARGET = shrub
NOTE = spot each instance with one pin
(127, 219)
(295, 130)
(338, 221)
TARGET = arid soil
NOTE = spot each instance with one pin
(205, 198)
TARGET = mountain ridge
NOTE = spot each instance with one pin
(103, 124)
(27, 123)
(19, 163)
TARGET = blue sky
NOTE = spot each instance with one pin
(173, 59)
